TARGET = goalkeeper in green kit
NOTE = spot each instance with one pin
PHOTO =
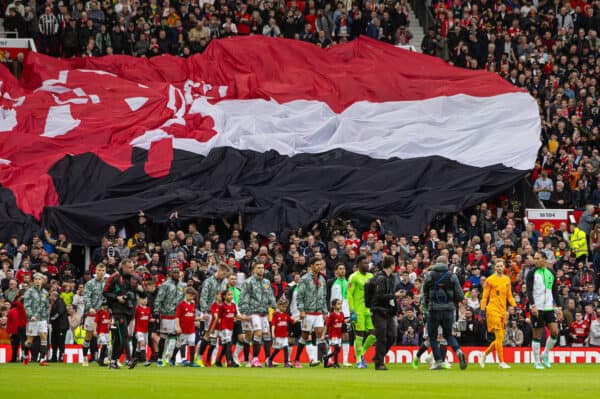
(364, 335)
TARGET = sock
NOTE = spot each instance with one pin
(192, 353)
(183, 351)
(286, 354)
(369, 341)
(444, 352)
(322, 349)
(310, 351)
(202, 349)
(535, 347)
(103, 353)
(169, 348)
(246, 351)
(85, 348)
(358, 347)
(255, 349)
(550, 343)
(142, 355)
(422, 349)
(216, 350)
(345, 351)
(267, 346)
(228, 354)
(26, 349)
(161, 347)
(499, 349)
(35, 350)
(94, 347)
(221, 355)
(238, 349)
(490, 348)
(43, 349)
(336, 353)
(211, 348)
(274, 353)
(299, 349)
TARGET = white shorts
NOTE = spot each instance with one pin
(335, 341)
(257, 323)
(104, 339)
(214, 334)
(225, 336)
(280, 343)
(167, 326)
(311, 322)
(186, 339)
(35, 328)
(89, 323)
(141, 337)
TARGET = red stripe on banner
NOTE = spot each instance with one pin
(361, 70)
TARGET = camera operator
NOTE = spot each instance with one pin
(120, 292)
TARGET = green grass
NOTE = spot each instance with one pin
(73, 381)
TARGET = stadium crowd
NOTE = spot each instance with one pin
(546, 47)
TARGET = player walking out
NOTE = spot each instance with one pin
(544, 302)
(256, 297)
(496, 293)
(169, 295)
(364, 332)
(312, 304)
(37, 310)
(92, 300)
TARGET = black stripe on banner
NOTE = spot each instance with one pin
(274, 192)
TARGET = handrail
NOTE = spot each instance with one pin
(423, 13)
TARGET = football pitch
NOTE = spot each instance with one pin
(401, 381)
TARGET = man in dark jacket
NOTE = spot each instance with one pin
(440, 293)
(60, 325)
(384, 310)
(120, 292)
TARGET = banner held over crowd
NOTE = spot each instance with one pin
(362, 128)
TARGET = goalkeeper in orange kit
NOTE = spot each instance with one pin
(496, 293)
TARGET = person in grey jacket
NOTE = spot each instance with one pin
(587, 220)
(440, 293)
(256, 296)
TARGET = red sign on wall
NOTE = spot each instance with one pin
(405, 355)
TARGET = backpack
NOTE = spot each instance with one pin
(441, 293)
(370, 288)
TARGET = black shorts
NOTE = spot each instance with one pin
(346, 328)
(152, 328)
(237, 329)
(544, 318)
(295, 330)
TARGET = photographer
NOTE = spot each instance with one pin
(120, 292)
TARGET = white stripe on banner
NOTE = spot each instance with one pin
(476, 131)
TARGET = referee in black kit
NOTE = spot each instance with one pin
(384, 311)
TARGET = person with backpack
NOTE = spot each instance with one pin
(384, 310)
(440, 293)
